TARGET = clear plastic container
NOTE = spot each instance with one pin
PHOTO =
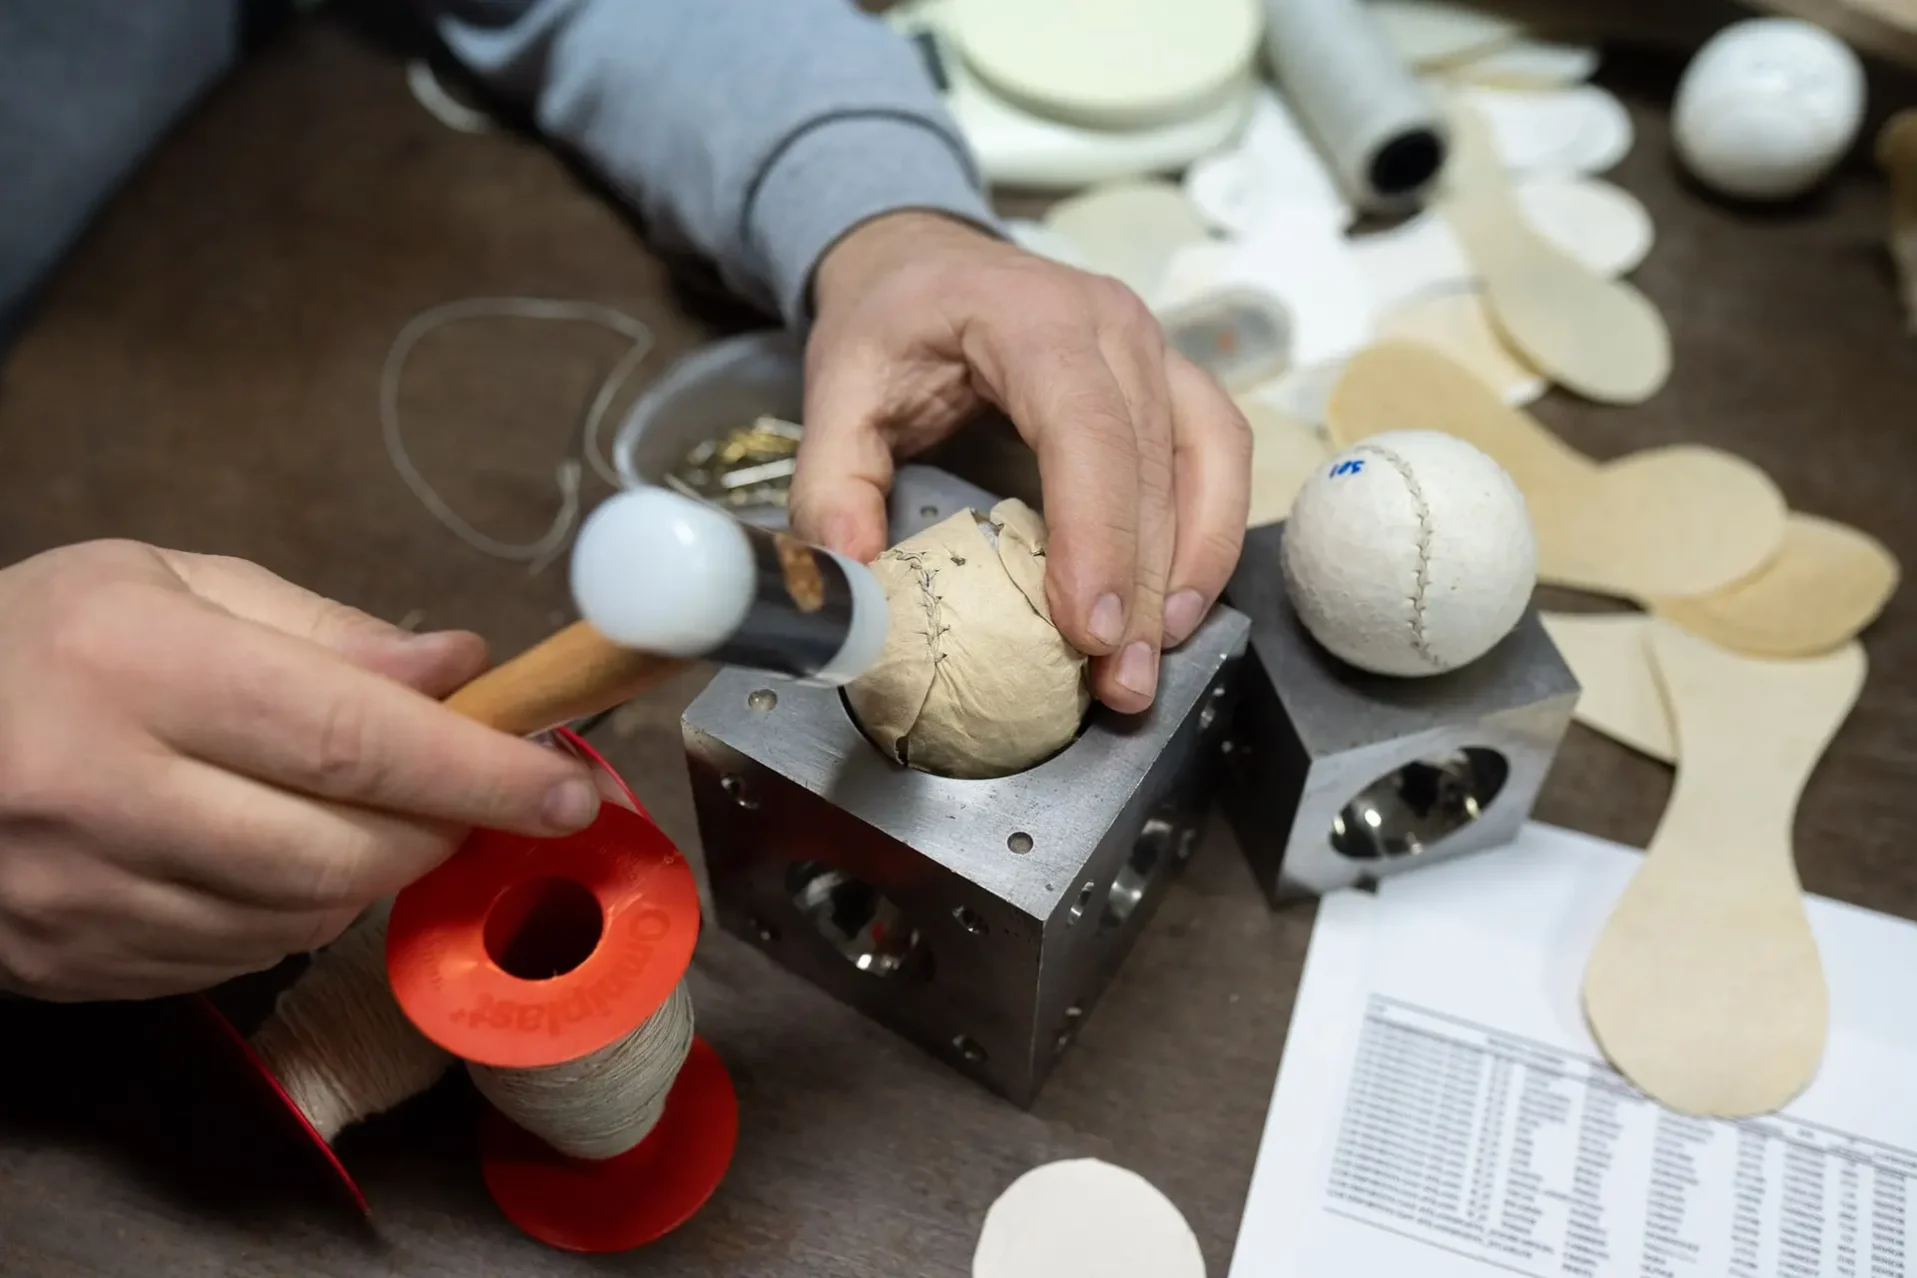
(705, 394)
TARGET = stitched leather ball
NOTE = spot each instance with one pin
(974, 681)
(1410, 553)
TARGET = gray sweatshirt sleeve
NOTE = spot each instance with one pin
(754, 132)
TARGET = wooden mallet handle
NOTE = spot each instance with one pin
(575, 673)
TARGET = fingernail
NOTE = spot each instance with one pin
(435, 640)
(1183, 612)
(1108, 620)
(1138, 668)
(571, 805)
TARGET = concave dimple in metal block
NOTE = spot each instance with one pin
(1335, 777)
(980, 919)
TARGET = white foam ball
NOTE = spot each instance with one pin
(1767, 108)
(1410, 553)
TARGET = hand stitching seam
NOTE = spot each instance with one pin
(928, 599)
(1420, 637)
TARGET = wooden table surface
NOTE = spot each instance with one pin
(204, 376)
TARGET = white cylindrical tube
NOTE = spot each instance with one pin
(1379, 131)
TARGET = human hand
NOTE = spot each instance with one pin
(204, 769)
(1143, 459)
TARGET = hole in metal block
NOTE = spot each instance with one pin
(1020, 842)
(543, 928)
(969, 920)
(1134, 878)
(1083, 903)
(928, 512)
(762, 699)
(969, 1049)
(859, 922)
(735, 787)
(1408, 810)
(1074, 1017)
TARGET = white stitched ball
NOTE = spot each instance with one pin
(1410, 553)
(1767, 108)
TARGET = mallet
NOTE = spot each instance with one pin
(663, 580)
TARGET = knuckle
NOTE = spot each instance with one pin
(1235, 435)
(38, 787)
(215, 563)
(317, 931)
(30, 968)
(1219, 548)
(373, 860)
(34, 897)
(338, 755)
(1048, 296)
(88, 629)
(1156, 434)
(1122, 308)
(1157, 474)
(1094, 408)
(333, 880)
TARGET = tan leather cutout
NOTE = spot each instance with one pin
(1599, 337)
(1826, 583)
(1458, 325)
(1706, 989)
(1284, 454)
(1674, 521)
(1610, 656)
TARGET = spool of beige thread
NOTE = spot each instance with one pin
(554, 968)
(336, 1040)
(601, 1105)
(344, 1051)
(336, 1050)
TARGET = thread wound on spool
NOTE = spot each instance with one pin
(554, 968)
(337, 1041)
(600, 1105)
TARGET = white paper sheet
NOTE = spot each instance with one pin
(1442, 1111)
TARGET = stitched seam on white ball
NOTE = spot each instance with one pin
(1420, 639)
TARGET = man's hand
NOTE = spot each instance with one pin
(204, 769)
(1144, 459)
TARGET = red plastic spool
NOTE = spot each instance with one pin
(487, 957)
(292, 1119)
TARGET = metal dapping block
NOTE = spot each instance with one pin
(1335, 777)
(980, 919)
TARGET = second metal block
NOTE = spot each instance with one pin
(1336, 777)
